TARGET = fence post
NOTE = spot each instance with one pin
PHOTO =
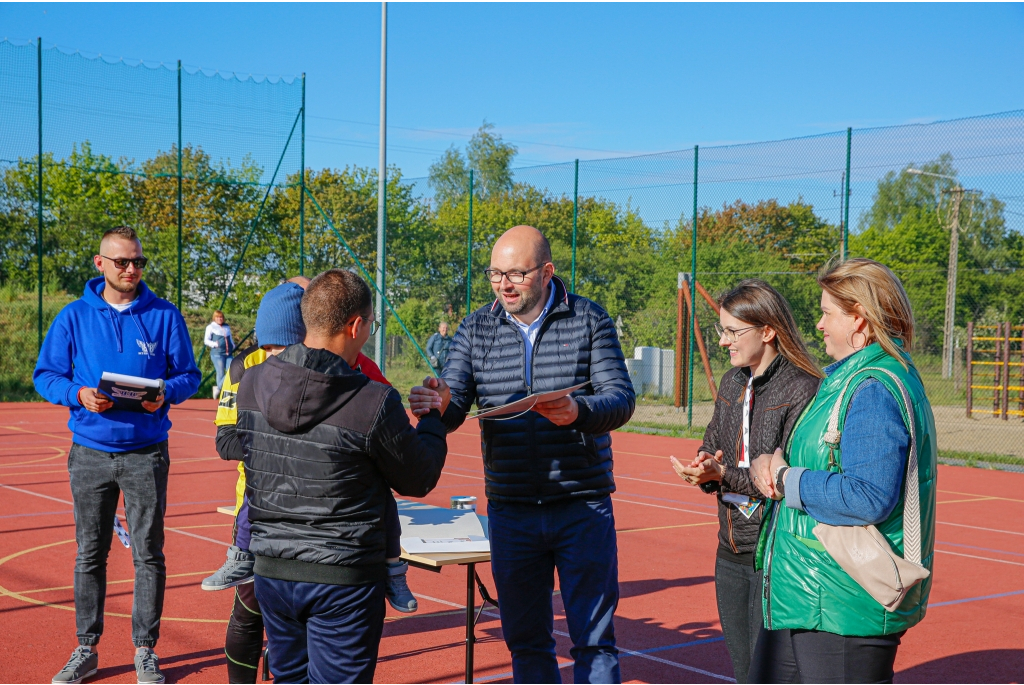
(39, 197)
(693, 295)
(302, 185)
(970, 367)
(846, 190)
(469, 250)
(180, 211)
(575, 212)
(1006, 370)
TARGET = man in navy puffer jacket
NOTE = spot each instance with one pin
(549, 471)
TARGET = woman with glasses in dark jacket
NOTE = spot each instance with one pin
(759, 400)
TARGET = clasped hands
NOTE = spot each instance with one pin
(707, 467)
(435, 394)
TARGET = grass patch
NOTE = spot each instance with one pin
(981, 459)
(666, 429)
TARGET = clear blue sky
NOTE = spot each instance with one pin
(576, 80)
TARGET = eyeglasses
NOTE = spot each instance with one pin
(120, 263)
(374, 325)
(730, 334)
(495, 276)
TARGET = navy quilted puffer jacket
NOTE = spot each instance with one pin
(528, 458)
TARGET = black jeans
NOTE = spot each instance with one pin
(814, 656)
(738, 588)
(97, 481)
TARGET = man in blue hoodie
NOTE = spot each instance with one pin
(118, 325)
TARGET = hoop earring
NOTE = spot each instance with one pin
(849, 340)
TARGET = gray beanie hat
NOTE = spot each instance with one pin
(279, 318)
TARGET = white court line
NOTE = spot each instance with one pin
(661, 506)
(462, 475)
(64, 501)
(991, 530)
(656, 482)
(972, 556)
(198, 435)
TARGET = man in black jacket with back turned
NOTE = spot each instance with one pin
(323, 443)
(548, 471)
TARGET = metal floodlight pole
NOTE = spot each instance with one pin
(846, 196)
(39, 195)
(575, 213)
(469, 250)
(379, 351)
(693, 294)
(180, 209)
(302, 185)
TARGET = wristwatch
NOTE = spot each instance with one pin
(780, 480)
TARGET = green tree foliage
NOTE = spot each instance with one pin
(487, 155)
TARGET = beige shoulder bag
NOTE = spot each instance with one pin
(862, 551)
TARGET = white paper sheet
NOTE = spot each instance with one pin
(525, 404)
(434, 529)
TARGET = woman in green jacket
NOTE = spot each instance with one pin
(822, 625)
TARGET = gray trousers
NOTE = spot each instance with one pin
(738, 589)
(97, 481)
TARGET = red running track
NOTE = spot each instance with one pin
(667, 622)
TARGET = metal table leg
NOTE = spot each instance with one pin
(470, 619)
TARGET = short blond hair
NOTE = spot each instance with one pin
(876, 288)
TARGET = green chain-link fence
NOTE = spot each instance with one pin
(206, 168)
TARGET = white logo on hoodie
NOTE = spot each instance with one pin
(148, 348)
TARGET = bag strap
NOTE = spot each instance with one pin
(912, 493)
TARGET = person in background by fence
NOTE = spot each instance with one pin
(548, 471)
(222, 345)
(759, 400)
(825, 627)
(118, 325)
(437, 347)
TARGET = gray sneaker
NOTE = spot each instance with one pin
(237, 570)
(147, 671)
(82, 664)
(397, 589)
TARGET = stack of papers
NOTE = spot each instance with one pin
(427, 529)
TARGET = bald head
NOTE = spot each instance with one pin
(523, 244)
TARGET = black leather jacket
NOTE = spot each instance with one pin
(322, 445)
(528, 459)
(780, 395)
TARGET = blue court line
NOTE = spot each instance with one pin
(975, 599)
(983, 549)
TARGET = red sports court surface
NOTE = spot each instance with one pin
(667, 622)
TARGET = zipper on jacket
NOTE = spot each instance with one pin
(770, 555)
(732, 541)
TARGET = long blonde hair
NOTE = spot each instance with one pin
(877, 289)
(759, 304)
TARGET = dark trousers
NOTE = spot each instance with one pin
(318, 633)
(243, 531)
(97, 481)
(814, 656)
(528, 542)
(243, 644)
(738, 589)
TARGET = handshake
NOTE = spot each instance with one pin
(435, 394)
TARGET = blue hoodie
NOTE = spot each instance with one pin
(88, 337)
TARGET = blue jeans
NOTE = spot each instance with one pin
(318, 633)
(528, 542)
(97, 481)
(243, 529)
(221, 362)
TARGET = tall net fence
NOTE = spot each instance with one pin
(87, 144)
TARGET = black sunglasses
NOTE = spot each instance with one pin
(121, 263)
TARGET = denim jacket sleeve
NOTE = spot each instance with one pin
(873, 449)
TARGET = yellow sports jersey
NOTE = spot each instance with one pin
(227, 410)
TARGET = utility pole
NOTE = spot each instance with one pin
(957, 195)
(379, 351)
